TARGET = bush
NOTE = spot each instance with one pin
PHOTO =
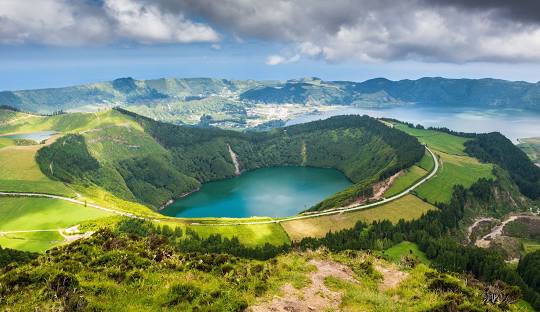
(62, 285)
(183, 293)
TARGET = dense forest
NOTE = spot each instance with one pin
(361, 147)
(529, 269)
(495, 148)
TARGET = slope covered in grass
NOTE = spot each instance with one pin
(165, 161)
(408, 207)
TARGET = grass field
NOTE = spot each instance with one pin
(395, 252)
(36, 241)
(250, 235)
(23, 214)
(19, 172)
(426, 162)
(441, 141)
(530, 245)
(455, 167)
(411, 175)
(408, 207)
(453, 170)
(531, 147)
(74, 122)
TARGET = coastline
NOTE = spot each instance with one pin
(172, 200)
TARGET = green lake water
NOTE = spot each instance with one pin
(273, 192)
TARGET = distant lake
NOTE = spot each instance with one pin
(35, 136)
(514, 124)
(271, 192)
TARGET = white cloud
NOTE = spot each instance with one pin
(278, 59)
(147, 23)
(53, 22)
(380, 30)
(80, 22)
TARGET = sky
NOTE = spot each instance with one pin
(53, 43)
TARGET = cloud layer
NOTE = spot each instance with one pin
(83, 22)
(364, 30)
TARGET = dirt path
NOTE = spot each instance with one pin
(72, 234)
(316, 296)
(475, 224)
(485, 241)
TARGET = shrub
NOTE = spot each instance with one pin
(183, 293)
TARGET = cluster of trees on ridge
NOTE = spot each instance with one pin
(364, 149)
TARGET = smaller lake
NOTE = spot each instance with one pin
(272, 192)
(38, 136)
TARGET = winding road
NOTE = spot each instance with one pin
(298, 217)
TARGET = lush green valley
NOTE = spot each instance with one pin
(410, 253)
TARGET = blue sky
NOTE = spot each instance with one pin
(59, 42)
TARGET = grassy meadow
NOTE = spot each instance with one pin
(440, 141)
(404, 248)
(455, 167)
(453, 170)
(409, 177)
(27, 214)
(408, 207)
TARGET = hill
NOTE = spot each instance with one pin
(249, 103)
(165, 161)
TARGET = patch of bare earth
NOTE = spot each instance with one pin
(72, 234)
(381, 187)
(391, 276)
(315, 297)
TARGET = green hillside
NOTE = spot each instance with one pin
(132, 164)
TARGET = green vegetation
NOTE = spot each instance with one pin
(29, 214)
(361, 147)
(495, 148)
(408, 178)
(453, 170)
(19, 172)
(405, 249)
(426, 162)
(32, 241)
(529, 269)
(250, 235)
(139, 268)
(408, 207)
(441, 141)
(19, 213)
(531, 147)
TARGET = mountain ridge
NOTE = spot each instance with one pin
(376, 92)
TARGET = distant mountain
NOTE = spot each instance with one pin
(379, 92)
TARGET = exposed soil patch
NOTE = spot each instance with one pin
(381, 187)
(316, 296)
(391, 276)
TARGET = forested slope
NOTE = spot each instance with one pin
(183, 157)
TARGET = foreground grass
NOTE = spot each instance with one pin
(408, 207)
(453, 170)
